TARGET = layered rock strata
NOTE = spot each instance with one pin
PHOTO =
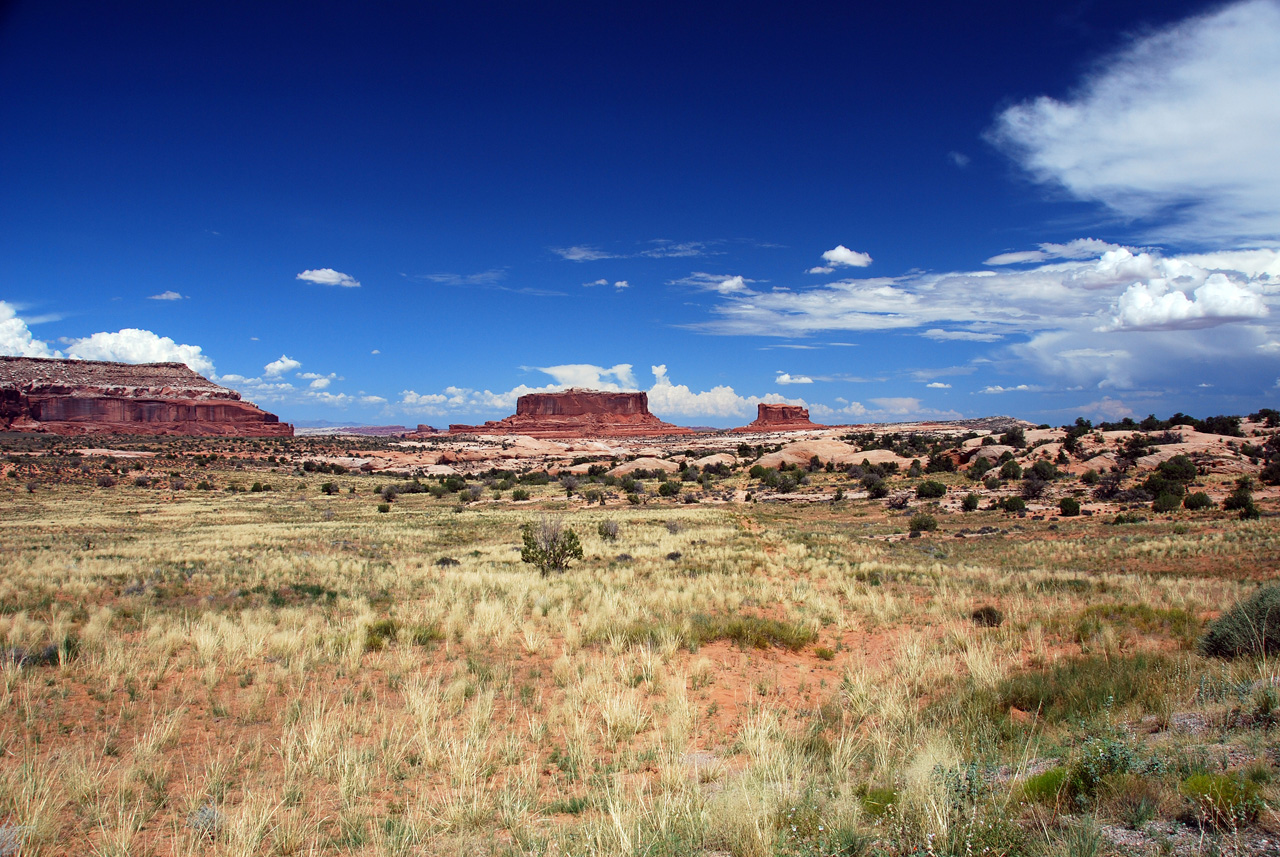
(75, 397)
(578, 413)
(771, 417)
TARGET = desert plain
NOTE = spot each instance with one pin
(772, 644)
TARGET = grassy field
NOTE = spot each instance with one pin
(289, 671)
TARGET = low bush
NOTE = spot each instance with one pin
(988, 616)
(550, 545)
(1013, 504)
(1069, 507)
(931, 490)
(922, 522)
(1166, 503)
(519, 494)
(970, 502)
(1251, 627)
(607, 530)
(1197, 501)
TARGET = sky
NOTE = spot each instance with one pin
(404, 213)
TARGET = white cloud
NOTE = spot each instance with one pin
(16, 339)
(821, 269)
(581, 253)
(938, 385)
(279, 367)
(960, 159)
(600, 282)
(592, 377)
(1157, 306)
(670, 400)
(787, 378)
(1108, 409)
(375, 351)
(939, 335)
(167, 296)
(1080, 248)
(329, 277)
(675, 250)
(621, 284)
(320, 383)
(1020, 388)
(722, 283)
(132, 345)
(1179, 127)
(843, 256)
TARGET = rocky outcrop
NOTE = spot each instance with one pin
(771, 417)
(578, 413)
(75, 397)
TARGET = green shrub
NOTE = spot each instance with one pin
(550, 545)
(1013, 504)
(1251, 627)
(824, 653)
(1069, 507)
(1221, 801)
(607, 530)
(1166, 503)
(1241, 499)
(520, 494)
(931, 490)
(970, 502)
(1195, 502)
(922, 522)
(1011, 470)
(876, 801)
(384, 507)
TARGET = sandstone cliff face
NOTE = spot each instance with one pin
(97, 397)
(578, 413)
(780, 418)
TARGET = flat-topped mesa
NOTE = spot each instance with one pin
(770, 417)
(74, 397)
(578, 413)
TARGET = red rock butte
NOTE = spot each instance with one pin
(578, 413)
(780, 418)
(76, 397)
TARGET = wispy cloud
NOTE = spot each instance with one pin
(1174, 129)
(494, 278)
(582, 253)
(167, 296)
(329, 277)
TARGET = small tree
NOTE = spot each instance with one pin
(1069, 507)
(550, 545)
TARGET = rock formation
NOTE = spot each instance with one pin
(578, 413)
(77, 397)
(780, 418)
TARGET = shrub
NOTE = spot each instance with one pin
(329, 488)
(1044, 470)
(922, 523)
(668, 489)
(1195, 502)
(1013, 504)
(1011, 470)
(1166, 503)
(1241, 499)
(105, 481)
(1069, 507)
(931, 490)
(1251, 627)
(970, 502)
(1033, 488)
(1014, 437)
(384, 507)
(987, 616)
(607, 530)
(1180, 468)
(550, 545)
(519, 494)
(1089, 477)
(876, 487)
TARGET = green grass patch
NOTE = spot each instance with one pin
(1080, 688)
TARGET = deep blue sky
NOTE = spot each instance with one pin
(473, 167)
